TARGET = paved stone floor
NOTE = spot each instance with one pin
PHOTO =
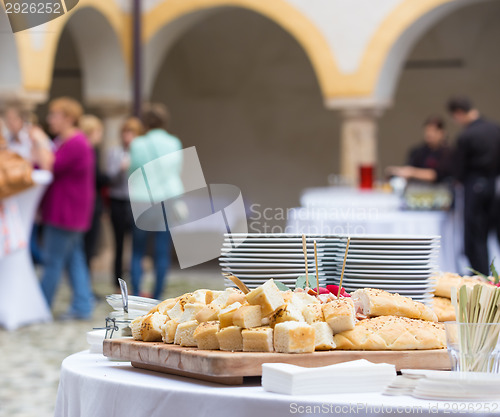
(30, 357)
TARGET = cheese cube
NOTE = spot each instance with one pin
(258, 339)
(184, 333)
(205, 335)
(248, 317)
(226, 314)
(323, 336)
(230, 339)
(268, 296)
(294, 337)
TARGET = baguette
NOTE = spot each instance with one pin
(374, 302)
(443, 308)
(392, 333)
(447, 281)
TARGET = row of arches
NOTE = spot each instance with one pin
(101, 30)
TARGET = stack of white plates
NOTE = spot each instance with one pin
(254, 258)
(402, 264)
(461, 386)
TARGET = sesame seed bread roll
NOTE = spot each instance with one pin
(443, 308)
(374, 302)
(448, 280)
(392, 333)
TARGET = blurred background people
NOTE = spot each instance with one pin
(17, 131)
(431, 161)
(117, 169)
(476, 164)
(68, 205)
(155, 143)
(92, 128)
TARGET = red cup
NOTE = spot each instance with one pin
(366, 177)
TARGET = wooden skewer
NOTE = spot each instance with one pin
(316, 262)
(240, 284)
(304, 248)
(343, 266)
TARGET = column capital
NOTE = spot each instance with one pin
(28, 100)
(358, 106)
(111, 108)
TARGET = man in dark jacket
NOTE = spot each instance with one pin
(476, 167)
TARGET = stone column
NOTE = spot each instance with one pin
(113, 114)
(358, 141)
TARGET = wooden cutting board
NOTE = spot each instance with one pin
(231, 367)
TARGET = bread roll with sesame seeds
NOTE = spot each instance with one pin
(392, 333)
(373, 302)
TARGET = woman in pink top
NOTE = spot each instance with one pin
(67, 206)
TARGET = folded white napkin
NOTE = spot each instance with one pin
(355, 376)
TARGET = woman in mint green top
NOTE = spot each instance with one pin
(155, 169)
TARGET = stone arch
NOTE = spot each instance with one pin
(101, 46)
(169, 20)
(10, 70)
(389, 47)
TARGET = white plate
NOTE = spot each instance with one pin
(268, 270)
(277, 276)
(410, 287)
(258, 254)
(383, 276)
(268, 260)
(389, 252)
(355, 260)
(375, 281)
(382, 257)
(272, 250)
(293, 245)
(266, 265)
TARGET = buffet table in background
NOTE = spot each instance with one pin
(339, 210)
(91, 385)
(21, 299)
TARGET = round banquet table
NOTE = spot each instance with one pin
(19, 285)
(93, 386)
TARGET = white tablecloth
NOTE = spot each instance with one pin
(93, 386)
(21, 299)
(337, 210)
